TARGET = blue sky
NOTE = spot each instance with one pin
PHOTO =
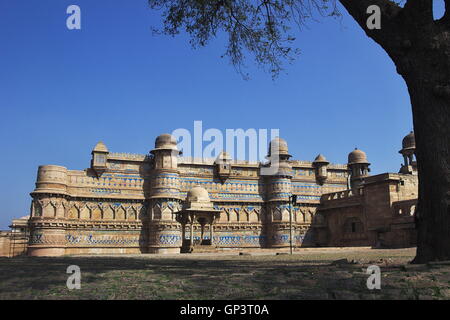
(63, 90)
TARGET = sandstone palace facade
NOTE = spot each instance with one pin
(164, 203)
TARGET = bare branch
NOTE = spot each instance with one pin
(259, 27)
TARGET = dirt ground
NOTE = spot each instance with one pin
(307, 274)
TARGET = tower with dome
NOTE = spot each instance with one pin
(160, 202)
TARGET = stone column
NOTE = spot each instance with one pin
(183, 232)
(192, 232)
(211, 232)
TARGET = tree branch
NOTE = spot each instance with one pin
(421, 11)
(446, 17)
(389, 19)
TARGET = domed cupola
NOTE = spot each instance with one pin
(99, 158)
(358, 166)
(278, 156)
(357, 157)
(320, 165)
(279, 147)
(198, 208)
(198, 195)
(409, 142)
(408, 152)
(165, 152)
(165, 141)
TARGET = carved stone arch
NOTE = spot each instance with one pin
(66, 206)
(245, 214)
(164, 206)
(97, 211)
(253, 216)
(227, 214)
(303, 215)
(306, 215)
(223, 217)
(143, 211)
(311, 213)
(263, 214)
(85, 212)
(156, 213)
(60, 209)
(298, 215)
(78, 205)
(90, 207)
(285, 214)
(49, 209)
(167, 212)
(131, 213)
(55, 203)
(277, 214)
(126, 207)
(73, 211)
(115, 208)
(44, 202)
(233, 215)
(37, 208)
(259, 212)
(120, 213)
(172, 206)
(137, 211)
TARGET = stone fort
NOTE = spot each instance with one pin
(161, 202)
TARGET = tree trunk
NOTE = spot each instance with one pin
(420, 49)
(431, 125)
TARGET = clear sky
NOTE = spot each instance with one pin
(63, 90)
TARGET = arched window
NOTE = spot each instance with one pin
(37, 210)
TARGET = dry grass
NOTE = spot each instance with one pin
(308, 274)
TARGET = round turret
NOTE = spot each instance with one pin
(409, 142)
(279, 147)
(51, 179)
(357, 157)
(165, 141)
(408, 151)
(320, 164)
(359, 167)
(320, 159)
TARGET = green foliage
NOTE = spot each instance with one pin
(261, 28)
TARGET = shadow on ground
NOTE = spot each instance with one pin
(224, 277)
